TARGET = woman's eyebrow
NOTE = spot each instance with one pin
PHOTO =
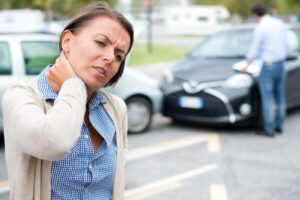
(120, 51)
(110, 42)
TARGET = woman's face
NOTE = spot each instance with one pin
(96, 51)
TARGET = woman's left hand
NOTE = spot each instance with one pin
(59, 72)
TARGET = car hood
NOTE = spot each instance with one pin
(204, 69)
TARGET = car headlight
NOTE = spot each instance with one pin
(167, 77)
(245, 109)
(239, 81)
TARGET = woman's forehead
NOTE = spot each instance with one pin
(109, 28)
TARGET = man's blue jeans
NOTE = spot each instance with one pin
(272, 90)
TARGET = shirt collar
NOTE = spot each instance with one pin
(97, 99)
(265, 17)
(46, 90)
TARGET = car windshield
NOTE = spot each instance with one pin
(230, 44)
(235, 44)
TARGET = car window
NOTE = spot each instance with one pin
(225, 44)
(5, 60)
(38, 54)
(293, 41)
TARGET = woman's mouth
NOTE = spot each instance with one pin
(100, 71)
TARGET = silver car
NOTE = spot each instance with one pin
(23, 56)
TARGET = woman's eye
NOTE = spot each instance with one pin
(101, 43)
(118, 57)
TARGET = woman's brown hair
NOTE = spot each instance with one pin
(83, 16)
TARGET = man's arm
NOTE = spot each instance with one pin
(254, 50)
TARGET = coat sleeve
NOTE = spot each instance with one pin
(47, 136)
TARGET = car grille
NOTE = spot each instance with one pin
(212, 106)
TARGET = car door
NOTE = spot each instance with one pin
(293, 70)
(7, 76)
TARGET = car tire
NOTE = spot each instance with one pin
(139, 111)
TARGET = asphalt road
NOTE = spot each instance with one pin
(175, 162)
(178, 162)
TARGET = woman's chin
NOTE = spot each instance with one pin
(94, 87)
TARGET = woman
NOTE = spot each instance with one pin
(65, 139)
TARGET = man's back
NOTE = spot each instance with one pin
(273, 35)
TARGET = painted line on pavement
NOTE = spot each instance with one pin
(170, 145)
(151, 193)
(218, 192)
(173, 179)
(214, 144)
(4, 188)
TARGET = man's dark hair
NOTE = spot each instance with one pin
(258, 9)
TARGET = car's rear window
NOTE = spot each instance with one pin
(293, 41)
(38, 54)
(5, 59)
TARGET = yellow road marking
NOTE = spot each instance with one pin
(165, 146)
(4, 188)
(155, 191)
(214, 145)
(218, 192)
(212, 140)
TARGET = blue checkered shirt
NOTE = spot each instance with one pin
(83, 174)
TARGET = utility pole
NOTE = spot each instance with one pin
(184, 3)
(148, 6)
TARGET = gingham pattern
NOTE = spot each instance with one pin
(83, 174)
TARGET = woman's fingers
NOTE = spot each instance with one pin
(59, 72)
(55, 86)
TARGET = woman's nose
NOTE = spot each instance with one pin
(109, 55)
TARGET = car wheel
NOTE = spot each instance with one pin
(139, 114)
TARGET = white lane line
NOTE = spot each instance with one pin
(165, 146)
(218, 192)
(170, 180)
(155, 192)
(4, 188)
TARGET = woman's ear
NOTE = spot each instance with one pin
(65, 41)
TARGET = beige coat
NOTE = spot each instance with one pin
(36, 133)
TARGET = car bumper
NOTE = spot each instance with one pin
(217, 107)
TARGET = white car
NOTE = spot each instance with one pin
(24, 55)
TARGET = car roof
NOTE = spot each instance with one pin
(249, 26)
(25, 36)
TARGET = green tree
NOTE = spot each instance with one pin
(242, 7)
(60, 6)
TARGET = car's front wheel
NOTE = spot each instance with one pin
(139, 114)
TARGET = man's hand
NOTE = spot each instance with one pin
(244, 69)
(59, 72)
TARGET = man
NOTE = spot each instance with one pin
(270, 45)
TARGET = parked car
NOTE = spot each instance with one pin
(142, 96)
(24, 55)
(203, 87)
